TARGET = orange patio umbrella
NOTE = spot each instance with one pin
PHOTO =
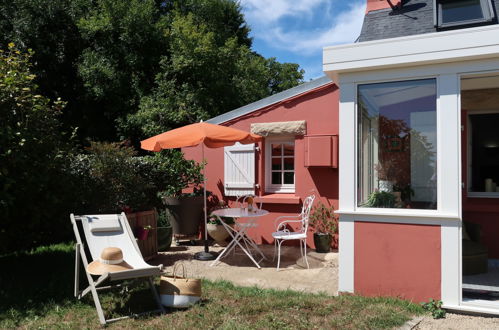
(211, 135)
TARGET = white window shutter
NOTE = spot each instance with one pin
(239, 169)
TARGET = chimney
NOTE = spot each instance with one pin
(380, 4)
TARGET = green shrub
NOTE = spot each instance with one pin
(34, 188)
(112, 178)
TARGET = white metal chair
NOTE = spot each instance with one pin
(283, 234)
(110, 230)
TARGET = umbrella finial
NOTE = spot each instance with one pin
(201, 121)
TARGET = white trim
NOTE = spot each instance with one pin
(398, 213)
(439, 47)
(451, 262)
(278, 188)
(346, 254)
(472, 308)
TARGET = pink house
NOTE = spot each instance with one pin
(402, 139)
(298, 156)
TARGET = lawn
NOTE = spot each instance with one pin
(37, 292)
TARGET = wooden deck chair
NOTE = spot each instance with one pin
(103, 231)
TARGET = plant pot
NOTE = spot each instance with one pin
(171, 201)
(385, 185)
(218, 233)
(322, 242)
(185, 214)
(165, 235)
(142, 234)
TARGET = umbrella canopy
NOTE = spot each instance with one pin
(213, 136)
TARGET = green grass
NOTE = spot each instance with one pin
(36, 291)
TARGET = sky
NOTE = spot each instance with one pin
(297, 30)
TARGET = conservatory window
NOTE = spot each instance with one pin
(397, 144)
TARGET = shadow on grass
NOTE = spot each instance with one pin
(35, 282)
(37, 279)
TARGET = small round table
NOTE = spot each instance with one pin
(238, 233)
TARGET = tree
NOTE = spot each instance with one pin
(200, 79)
(110, 58)
(32, 157)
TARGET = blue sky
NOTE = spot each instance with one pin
(297, 30)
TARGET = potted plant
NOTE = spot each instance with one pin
(324, 222)
(381, 199)
(384, 174)
(185, 210)
(165, 232)
(216, 230)
(214, 226)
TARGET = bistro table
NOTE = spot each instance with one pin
(238, 233)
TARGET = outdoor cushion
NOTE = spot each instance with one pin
(104, 223)
(471, 248)
(475, 257)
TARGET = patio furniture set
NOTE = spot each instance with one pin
(117, 257)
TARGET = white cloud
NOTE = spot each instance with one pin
(269, 11)
(266, 20)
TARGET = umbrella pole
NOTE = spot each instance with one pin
(206, 254)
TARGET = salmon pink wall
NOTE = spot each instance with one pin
(319, 108)
(484, 211)
(399, 260)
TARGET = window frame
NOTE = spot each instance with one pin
(278, 188)
(487, 10)
(358, 157)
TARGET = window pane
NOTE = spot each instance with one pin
(397, 144)
(276, 163)
(463, 10)
(276, 177)
(289, 150)
(289, 163)
(484, 152)
(289, 178)
(276, 149)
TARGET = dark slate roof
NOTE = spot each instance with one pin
(276, 98)
(416, 17)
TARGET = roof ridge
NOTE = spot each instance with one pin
(270, 100)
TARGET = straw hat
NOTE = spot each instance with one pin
(111, 260)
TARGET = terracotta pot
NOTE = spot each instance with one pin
(218, 233)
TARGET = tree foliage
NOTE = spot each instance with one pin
(126, 70)
(32, 155)
(122, 65)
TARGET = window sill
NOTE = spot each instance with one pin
(399, 213)
(483, 195)
(278, 199)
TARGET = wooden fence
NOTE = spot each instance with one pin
(149, 246)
